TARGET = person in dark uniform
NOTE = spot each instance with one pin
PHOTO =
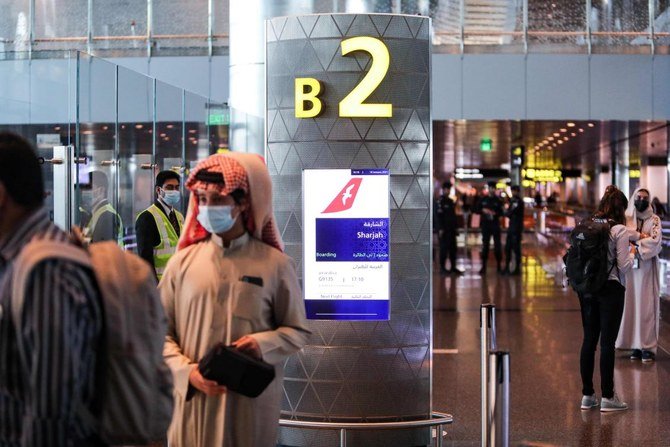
(491, 209)
(104, 222)
(514, 231)
(445, 217)
(158, 227)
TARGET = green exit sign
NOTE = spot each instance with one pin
(219, 118)
(486, 144)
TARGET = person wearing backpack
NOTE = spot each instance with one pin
(641, 317)
(48, 367)
(229, 283)
(606, 261)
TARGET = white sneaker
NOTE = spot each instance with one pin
(589, 402)
(613, 404)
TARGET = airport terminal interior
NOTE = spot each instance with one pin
(561, 98)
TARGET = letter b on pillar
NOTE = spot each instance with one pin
(307, 103)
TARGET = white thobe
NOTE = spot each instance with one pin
(640, 322)
(196, 288)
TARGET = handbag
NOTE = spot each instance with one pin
(236, 370)
(239, 372)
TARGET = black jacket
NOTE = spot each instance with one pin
(515, 215)
(445, 214)
(494, 204)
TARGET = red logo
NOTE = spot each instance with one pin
(345, 199)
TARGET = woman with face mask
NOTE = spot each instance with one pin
(639, 326)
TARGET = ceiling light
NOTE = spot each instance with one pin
(169, 126)
(163, 135)
(545, 141)
(138, 126)
(123, 126)
(571, 124)
(105, 127)
(166, 138)
(57, 128)
(554, 144)
(564, 129)
(550, 138)
(556, 134)
(573, 134)
(192, 131)
(560, 141)
(566, 138)
(591, 125)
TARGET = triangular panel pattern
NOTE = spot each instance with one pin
(363, 159)
(308, 23)
(290, 121)
(326, 49)
(398, 164)
(309, 152)
(398, 28)
(381, 22)
(362, 26)
(414, 130)
(344, 129)
(345, 152)
(293, 30)
(278, 26)
(344, 22)
(325, 27)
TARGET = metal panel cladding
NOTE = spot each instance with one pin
(367, 371)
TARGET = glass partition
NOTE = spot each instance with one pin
(170, 131)
(56, 20)
(103, 132)
(36, 101)
(135, 97)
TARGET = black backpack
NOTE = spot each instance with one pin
(586, 263)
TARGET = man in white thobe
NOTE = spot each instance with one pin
(229, 282)
(640, 322)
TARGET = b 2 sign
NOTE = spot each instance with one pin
(346, 244)
(307, 90)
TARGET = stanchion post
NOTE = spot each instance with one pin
(487, 324)
(498, 399)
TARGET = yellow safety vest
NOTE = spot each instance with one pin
(169, 238)
(97, 214)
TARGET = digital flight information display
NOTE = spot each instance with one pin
(346, 233)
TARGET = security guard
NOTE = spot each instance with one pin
(105, 222)
(158, 227)
(515, 230)
(445, 218)
(491, 209)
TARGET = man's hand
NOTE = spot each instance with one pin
(249, 346)
(209, 387)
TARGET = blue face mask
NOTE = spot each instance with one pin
(216, 219)
(171, 198)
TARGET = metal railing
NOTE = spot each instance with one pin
(460, 24)
(437, 419)
(494, 382)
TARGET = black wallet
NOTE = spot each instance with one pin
(237, 371)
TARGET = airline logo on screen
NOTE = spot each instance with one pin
(344, 200)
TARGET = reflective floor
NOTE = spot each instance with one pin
(539, 323)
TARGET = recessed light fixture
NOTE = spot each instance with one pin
(566, 138)
(581, 130)
(560, 141)
(57, 128)
(192, 131)
(138, 126)
(556, 134)
(591, 125)
(564, 129)
(163, 135)
(571, 124)
(550, 138)
(105, 127)
(573, 134)
(169, 126)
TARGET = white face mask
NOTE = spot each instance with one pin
(171, 198)
(216, 219)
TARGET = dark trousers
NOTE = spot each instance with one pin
(448, 248)
(601, 317)
(487, 232)
(513, 244)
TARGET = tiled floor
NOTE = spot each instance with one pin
(539, 323)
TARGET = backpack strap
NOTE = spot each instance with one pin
(36, 252)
